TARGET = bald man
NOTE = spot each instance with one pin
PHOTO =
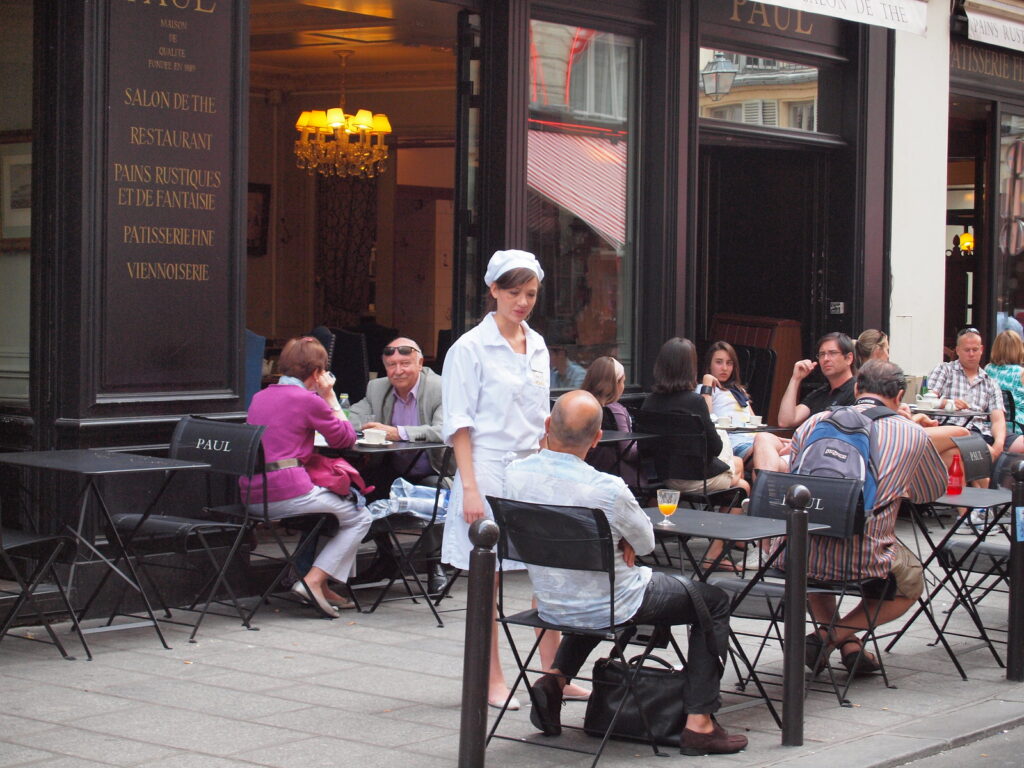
(559, 475)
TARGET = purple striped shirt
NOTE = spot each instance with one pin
(908, 468)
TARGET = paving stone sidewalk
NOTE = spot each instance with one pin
(384, 690)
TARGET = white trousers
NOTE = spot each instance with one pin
(338, 556)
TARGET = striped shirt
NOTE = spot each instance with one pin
(949, 380)
(908, 468)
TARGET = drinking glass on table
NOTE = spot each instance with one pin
(667, 503)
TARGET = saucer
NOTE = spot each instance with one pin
(364, 441)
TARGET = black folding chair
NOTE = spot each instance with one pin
(976, 457)
(38, 553)
(231, 450)
(1010, 409)
(414, 542)
(680, 451)
(575, 539)
(837, 503)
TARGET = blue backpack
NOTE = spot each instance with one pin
(843, 445)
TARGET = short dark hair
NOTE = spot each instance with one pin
(301, 357)
(675, 368)
(844, 342)
(880, 377)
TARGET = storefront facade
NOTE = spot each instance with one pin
(582, 131)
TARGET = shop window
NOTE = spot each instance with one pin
(761, 91)
(1010, 243)
(579, 161)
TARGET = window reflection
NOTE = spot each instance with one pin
(1010, 269)
(764, 91)
(578, 162)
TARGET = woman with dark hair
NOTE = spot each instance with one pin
(675, 382)
(606, 380)
(496, 396)
(302, 403)
(728, 396)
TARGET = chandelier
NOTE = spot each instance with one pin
(338, 144)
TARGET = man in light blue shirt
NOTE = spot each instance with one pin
(559, 475)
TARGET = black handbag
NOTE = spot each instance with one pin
(658, 689)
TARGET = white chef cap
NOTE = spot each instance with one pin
(619, 370)
(503, 261)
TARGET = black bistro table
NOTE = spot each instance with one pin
(697, 523)
(92, 465)
(997, 501)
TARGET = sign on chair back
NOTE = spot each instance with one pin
(837, 502)
(230, 449)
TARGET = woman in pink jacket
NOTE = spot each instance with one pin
(301, 403)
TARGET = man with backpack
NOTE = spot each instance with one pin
(897, 461)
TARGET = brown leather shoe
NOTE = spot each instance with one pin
(718, 742)
(546, 712)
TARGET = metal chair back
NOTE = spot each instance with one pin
(835, 502)
(229, 449)
(976, 457)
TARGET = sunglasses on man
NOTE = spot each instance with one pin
(403, 350)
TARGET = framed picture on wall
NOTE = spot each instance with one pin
(257, 219)
(15, 189)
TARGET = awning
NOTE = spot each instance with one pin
(583, 174)
(995, 22)
(902, 15)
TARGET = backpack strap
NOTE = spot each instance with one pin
(878, 412)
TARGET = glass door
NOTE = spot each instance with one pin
(1009, 267)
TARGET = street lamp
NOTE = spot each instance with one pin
(717, 76)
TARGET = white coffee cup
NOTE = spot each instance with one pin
(725, 421)
(755, 420)
(375, 436)
(927, 401)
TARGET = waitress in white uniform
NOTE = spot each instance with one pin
(495, 394)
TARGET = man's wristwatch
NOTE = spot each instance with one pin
(706, 390)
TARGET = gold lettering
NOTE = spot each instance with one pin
(145, 234)
(800, 28)
(199, 6)
(759, 10)
(778, 23)
(736, 9)
(161, 270)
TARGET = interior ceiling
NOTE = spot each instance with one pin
(395, 44)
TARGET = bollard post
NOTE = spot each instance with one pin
(794, 607)
(1015, 630)
(477, 654)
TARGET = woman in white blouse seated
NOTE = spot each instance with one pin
(495, 394)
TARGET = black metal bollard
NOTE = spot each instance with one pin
(794, 606)
(477, 655)
(1015, 630)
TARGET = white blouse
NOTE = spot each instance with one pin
(502, 396)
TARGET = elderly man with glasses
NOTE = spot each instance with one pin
(965, 384)
(407, 406)
(834, 357)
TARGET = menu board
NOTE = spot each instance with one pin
(169, 274)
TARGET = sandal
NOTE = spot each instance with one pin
(724, 565)
(816, 652)
(859, 663)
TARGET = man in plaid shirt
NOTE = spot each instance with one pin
(968, 387)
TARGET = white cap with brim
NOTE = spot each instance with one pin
(503, 261)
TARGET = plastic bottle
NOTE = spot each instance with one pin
(344, 403)
(956, 477)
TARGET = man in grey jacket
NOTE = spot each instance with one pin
(407, 406)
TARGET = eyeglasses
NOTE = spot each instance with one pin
(389, 351)
(965, 331)
(828, 353)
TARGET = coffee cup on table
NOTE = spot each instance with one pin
(927, 401)
(725, 421)
(755, 420)
(375, 436)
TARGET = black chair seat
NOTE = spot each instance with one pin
(531, 618)
(983, 558)
(168, 526)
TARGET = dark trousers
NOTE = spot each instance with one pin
(667, 602)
